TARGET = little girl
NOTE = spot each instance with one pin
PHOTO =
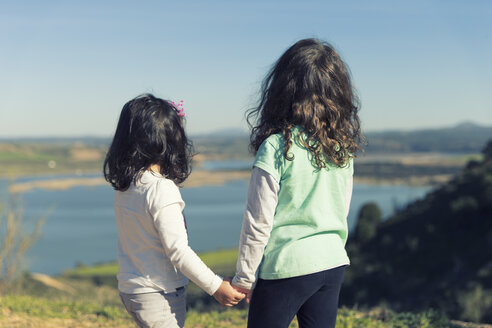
(149, 156)
(305, 133)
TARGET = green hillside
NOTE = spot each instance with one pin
(436, 253)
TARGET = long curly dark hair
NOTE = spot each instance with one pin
(309, 86)
(149, 131)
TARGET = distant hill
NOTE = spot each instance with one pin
(435, 253)
(463, 138)
(466, 137)
(233, 132)
(222, 147)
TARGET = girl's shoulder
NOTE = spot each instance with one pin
(148, 178)
(157, 181)
(278, 139)
(161, 191)
(275, 141)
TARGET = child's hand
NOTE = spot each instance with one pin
(226, 295)
(247, 292)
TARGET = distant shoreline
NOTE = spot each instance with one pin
(202, 178)
(196, 179)
(413, 169)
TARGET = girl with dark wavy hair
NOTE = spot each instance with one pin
(149, 156)
(305, 134)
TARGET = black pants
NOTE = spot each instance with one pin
(313, 297)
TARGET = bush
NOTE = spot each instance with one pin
(476, 304)
(369, 217)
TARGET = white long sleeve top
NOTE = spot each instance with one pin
(153, 250)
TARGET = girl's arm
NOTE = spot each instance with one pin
(257, 225)
(170, 225)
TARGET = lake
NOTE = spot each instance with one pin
(80, 225)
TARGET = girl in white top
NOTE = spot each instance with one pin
(149, 156)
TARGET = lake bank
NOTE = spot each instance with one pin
(196, 179)
(415, 169)
(202, 178)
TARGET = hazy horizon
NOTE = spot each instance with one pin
(236, 132)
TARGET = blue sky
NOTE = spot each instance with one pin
(67, 67)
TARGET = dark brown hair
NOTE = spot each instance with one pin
(149, 131)
(309, 86)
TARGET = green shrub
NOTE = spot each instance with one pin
(476, 304)
(369, 217)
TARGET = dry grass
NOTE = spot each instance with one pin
(78, 154)
(87, 321)
(57, 184)
(14, 242)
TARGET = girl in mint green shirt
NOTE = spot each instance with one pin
(305, 133)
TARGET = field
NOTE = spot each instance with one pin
(78, 159)
(19, 159)
(87, 297)
(23, 311)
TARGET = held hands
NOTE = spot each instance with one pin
(226, 295)
(247, 292)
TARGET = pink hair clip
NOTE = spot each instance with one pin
(179, 108)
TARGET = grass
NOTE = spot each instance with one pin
(42, 312)
(96, 304)
(46, 308)
(30, 311)
(220, 260)
(83, 271)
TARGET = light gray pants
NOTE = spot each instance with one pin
(157, 310)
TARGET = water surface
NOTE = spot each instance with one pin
(80, 225)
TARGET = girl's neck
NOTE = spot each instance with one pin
(154, 168)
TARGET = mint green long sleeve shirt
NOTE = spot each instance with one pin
(306, 230)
